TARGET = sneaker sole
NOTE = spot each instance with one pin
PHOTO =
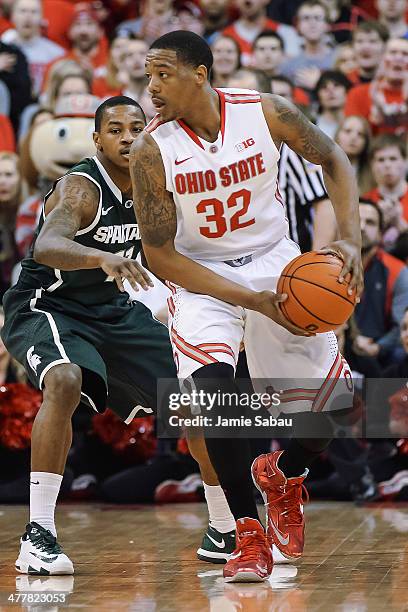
(26, 568)
(277, 555)
(212, 557)
(245, 577)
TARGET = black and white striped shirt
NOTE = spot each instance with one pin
(301, 186)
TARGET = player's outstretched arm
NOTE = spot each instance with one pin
(288, 124)
(71, 207)
(156, 215)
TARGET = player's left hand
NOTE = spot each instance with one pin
(350, 253)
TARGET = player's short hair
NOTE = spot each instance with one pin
(269, 34)
(190, 48)
(383, 141)
(369, 202)
(111, 103)
(371, 26)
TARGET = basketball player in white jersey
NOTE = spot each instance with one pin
(204, 178)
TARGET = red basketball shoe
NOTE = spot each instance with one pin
(251, 560)
(283, 497)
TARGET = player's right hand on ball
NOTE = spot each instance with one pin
(268, 305)
(120, 268)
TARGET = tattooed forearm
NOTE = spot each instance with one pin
(299, 133)
(154, 205)
(288, 124)
(73, 205)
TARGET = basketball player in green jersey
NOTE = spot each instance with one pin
(69, 321)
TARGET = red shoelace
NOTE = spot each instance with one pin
(251, 545)
(291, 498)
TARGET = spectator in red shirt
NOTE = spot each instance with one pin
(389, 168)
(384, 101)
(368, 43)
(7, 139)
(393, 14)
(253, 21)
(88, 43)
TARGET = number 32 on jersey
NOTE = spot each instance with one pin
(215, 214)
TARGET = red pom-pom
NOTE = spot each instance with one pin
(136, 441)
(399, 412)
(19, 405)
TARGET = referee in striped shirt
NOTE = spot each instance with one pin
(312, 223)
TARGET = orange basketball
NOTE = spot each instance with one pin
(316, 300)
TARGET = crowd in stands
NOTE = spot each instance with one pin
(343, 62)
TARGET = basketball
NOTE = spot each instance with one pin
(316, 301)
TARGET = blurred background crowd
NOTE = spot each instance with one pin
(345, 64)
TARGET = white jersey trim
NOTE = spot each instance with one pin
(114, 188)
(55, 335)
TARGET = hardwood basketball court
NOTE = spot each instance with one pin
(142, 559)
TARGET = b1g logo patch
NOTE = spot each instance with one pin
(241, 146)
(33, 359)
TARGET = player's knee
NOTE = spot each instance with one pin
(215, 371)
(220, 391)
(63, 385)
(347, 416)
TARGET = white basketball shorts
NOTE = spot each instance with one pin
(308, 372)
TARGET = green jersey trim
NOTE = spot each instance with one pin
(87, 229)
(54, 331)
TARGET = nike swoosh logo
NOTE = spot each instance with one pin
(45, 559)
(181, 161)
(235, 556)
(284, 540)
(217, 544)
(31, 482)
(106, 210)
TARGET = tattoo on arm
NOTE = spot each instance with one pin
(154, 205)
(300, 134)
(76, 203)
(73, 205)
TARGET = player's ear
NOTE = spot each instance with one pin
(201, 75)
(97, 141)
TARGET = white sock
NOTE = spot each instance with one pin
(44, 489)
(221, 517)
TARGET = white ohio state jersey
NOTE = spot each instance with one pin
(225, 191)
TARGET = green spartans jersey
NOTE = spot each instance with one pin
(114, 230)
